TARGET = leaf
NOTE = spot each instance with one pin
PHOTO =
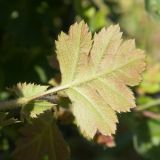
(35, 108)
(96, 73)
(153, 7)
(28, 90)
(42, 140)
(32, 109)
(151, 80)
(5, 120)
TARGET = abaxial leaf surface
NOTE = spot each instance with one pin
(96, 74)
(33, 108)
(28, 90)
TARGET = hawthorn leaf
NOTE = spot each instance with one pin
(28, 90)
(33, 108)
(96, 73)
(41, 140)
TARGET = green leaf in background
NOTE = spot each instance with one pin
(94, 12)
(151, 80)
(41, 140)
(98, 20)
(153, 7)
(144, 100)
(147, 139)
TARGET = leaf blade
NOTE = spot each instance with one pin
(33, 108)
(74, 46)
(109, 68)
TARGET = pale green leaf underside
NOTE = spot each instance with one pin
(97, 73)
(28, 90)
(33, 108)
(42, 140)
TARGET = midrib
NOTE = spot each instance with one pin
(77, 83)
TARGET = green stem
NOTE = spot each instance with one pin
(148, 105)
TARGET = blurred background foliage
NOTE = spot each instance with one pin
(28, 29)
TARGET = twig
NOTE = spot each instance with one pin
(10, 104)
(152, 115)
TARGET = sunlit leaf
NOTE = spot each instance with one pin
(96, 73)
(32, 109)
(35, 108)
(28, 90)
